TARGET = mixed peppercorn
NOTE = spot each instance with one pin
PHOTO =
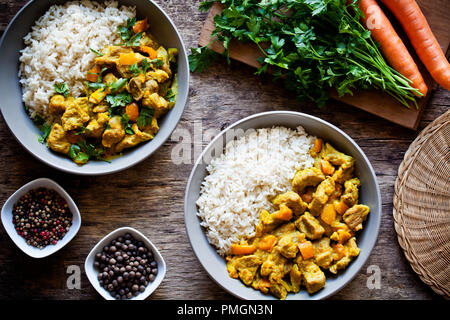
(42, 217)
(125, 267)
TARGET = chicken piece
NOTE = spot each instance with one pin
(155, 101)
(159, 75)
(129, 141)
(279, 289)
(163, 55)
(335, 157)
(57, 140)
(97, 96)
(355, 216)
(288, 244)
(149, 41)
(305, 178)
(276, 266)
(345, 163)
(323, 253)
(57, 104)
(261, 284)
(313, 278)
(283, 229)
(111, 55)
(151, 86)
(244, 267)
(351, 251)
(109, 78)
(321, 195)
(343, 174)
(84, 104)
(296, 278)
(267, 222)
(150, 130)
(135, 87)
(75, 115)
(351, 194)
(97, 125)
(310, 226)
(292, 200)
(114, 133)
(103, 107)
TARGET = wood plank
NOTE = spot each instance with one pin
(376, 101)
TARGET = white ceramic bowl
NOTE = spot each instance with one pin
(369, 194)
(92, 272)
(6, 216)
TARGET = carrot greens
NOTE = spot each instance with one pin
(312, 46)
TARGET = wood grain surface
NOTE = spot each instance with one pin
(149, 196)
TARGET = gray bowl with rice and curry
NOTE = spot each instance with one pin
(279, 215)
(104, 104)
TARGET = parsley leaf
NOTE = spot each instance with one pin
(98, 53)
(62, 88)
(145, 117)
(119, 100)
(201, 58)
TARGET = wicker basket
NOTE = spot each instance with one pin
(422, 205)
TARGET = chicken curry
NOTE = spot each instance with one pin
(311, 232)
(130, 86)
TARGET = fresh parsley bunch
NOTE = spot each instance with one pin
(309, 45)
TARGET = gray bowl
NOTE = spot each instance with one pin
(26, 132)
(215, 265)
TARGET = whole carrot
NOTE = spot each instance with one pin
(422, 38)
(390, 43)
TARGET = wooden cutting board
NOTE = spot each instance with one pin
(375, 102)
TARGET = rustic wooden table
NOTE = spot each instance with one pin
(149, 196)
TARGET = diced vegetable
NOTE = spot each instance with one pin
(307, 196)
(328, 214)
(343, 236)
(97, 96)
(306, 249)
(267, 242)
(327, 167)
(128, 59)
(93, 74)
(150, 51)
(132, 110)
(340, 207)
(241, 249)
(140, 26)
(317, 145)
(339, 249)
(284, 213)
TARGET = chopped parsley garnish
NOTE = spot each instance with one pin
(43, 126)
(119, 100)
(145, 65)
(97, 52)
(62, 88)
(82, 151)
(145, 117)
(126, 32)
(126, 123)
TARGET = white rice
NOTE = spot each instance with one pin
(242, 181)
(58, 47)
